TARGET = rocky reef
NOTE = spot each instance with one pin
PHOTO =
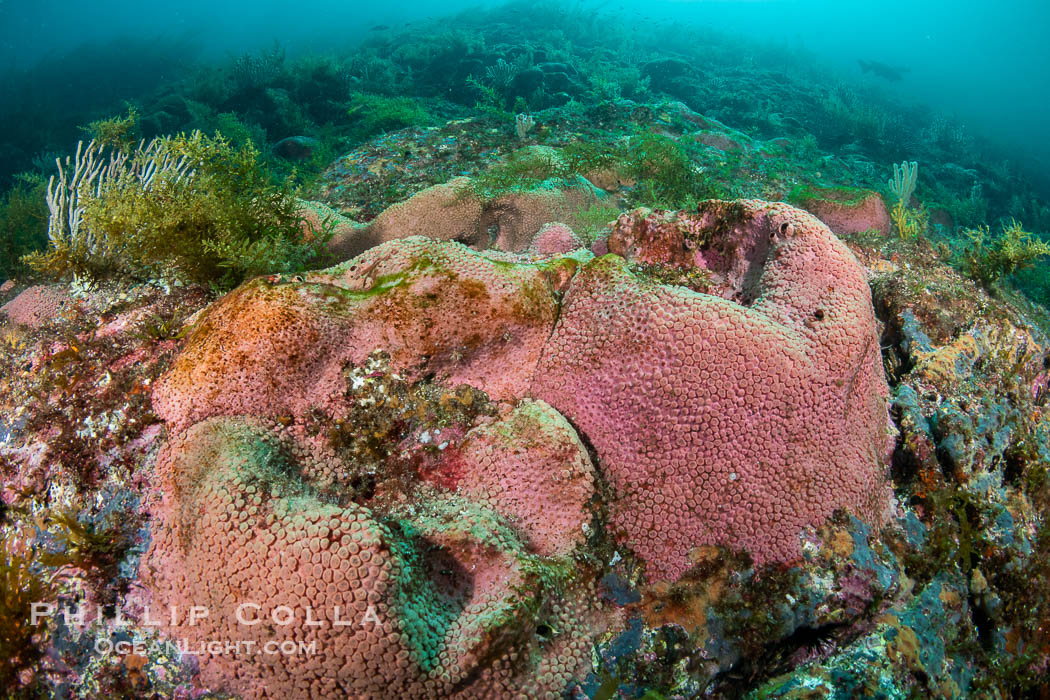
(502, 450)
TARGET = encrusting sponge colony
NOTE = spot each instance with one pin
(715, 380)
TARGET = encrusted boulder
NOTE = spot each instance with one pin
(414, 590)
(276, 347)
(735, 417)
(722, 364)
(454, 212)
(37, 305)
(846, 210)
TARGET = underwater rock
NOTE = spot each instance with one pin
(277, 347)
(732, 622)
(846, 211)
(539, 429)
(37, 305)
(773, 398)
(453, 212)
(527, 444)
(717, 140)
(607, 179)
(734, 421)
(317, 215)
(914, 651)
(512, 220)
(421, 594)
(942, 219)
(439, 212)
(526, 82)
(551, 79)
(554, 239)
(296, 148)
(672, 76)
(531, 466)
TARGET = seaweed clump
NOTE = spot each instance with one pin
(23, 223)
(95, 548)
(657, 171)
(665, 175)
(22, 642)
(393, 427)
(989, 258)
(218, 219)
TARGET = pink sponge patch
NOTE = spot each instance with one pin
(532, 467)
(36, 306)
(278, 348)
(849, 211)
(554, 239)
(722, 422)
(434, 599)
(736, 411)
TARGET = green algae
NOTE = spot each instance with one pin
(433, 590)
(845, 196)
(22, 584)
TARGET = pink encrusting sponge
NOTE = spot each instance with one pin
(736, 417)
(723, 365)
(36, 306)
(276, 347)
(437, 598)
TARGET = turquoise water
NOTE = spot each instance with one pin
(986, 62)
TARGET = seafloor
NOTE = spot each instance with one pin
(544, 421)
